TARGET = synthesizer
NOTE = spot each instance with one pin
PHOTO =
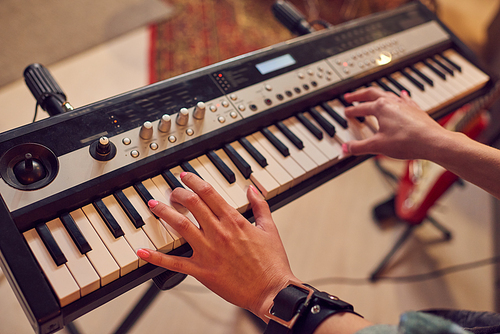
(74, 186)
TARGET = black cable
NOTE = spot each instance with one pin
(410, 278)
(36, 111)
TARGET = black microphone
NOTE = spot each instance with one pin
(45, 89)
(291, 18)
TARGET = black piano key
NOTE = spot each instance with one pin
(443, 66)
(261, 160)
(325, 125)
(276, 142)
(108, 219)
(186, 166)
(51, 244)
(144, 194)
(76, 235)
(341, 120)
(309, 126)
(414, 81)
(172, 181)
(129, 209)
(452, 63)
(222, 167)
(238, 161)
(385, 87)
(435, 70)
(290, 135)
(398, 85)
(423, 76)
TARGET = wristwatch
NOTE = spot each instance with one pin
(300, 308)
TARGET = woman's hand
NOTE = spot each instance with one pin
(244, 264)
(405, 131)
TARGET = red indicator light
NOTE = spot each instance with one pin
(344, 63)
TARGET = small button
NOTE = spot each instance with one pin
(328, 78)
(268, 102)
(153, 146)
(314, 84)
(320, 69)
(310, 72)
(346, 70)
(233, 97)
(253, 107)
(126, 141)
(225, 104)
(280, 97)
(241, 107)
(300, 75)
(189, 132)
(319, 75)
(288, 93)
(134, 153)
(297, 90)
(329, 72)
(305, 86)
(221, 119)
(172, 139)
(213, 108)
(268, 88)
(233, 114)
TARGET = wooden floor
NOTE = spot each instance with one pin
(328, 233)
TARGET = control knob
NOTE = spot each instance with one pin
(103, 149)
(29, 170)
(146, 131)
(199, 111)
(165, 123)
(183, 117)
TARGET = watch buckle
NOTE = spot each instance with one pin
(289, 324)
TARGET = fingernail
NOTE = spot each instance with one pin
(143, 254)
(152, 203)
(183, 174)
(345, 148)
(347, 94)
(405, 93)
(254, 189)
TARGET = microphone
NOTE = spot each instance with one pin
(291, 18)
(45, 89)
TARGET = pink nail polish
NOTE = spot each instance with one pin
(254, 189)
(183, 174)
(345, 148)
(152, 203)
(143, 254)
(405, 93)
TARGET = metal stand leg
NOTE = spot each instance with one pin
(139, 309)
(439, 226)
(376, 273)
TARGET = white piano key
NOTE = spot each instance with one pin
(165, 189)
(61, 280)
(119, 248)
(102, 261)
(136, 237)
(232, 189)
(312, 145)
(82, 270)
(315, 154)
(241, 181)
(440, 85)
(267, 185)
(288, 163)
(414, 95)
(158, 195)
(281, 176)
(457, 77)
(154, 229)
(205, 175)
(456, 86)
(433, 91)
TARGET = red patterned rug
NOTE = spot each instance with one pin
(203, 32)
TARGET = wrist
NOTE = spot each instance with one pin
(270, 293)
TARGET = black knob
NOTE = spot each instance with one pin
(29, 170)
(103, 149)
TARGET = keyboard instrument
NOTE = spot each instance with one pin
(74, 186)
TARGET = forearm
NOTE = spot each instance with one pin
(342, 323)
(470, 160)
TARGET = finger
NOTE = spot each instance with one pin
(361, 110)
(365, 94)
(260, 209)
(192, 202)
(180, 223)
(365, 146)
(406, 98)
(170, 262)
(207, 193)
